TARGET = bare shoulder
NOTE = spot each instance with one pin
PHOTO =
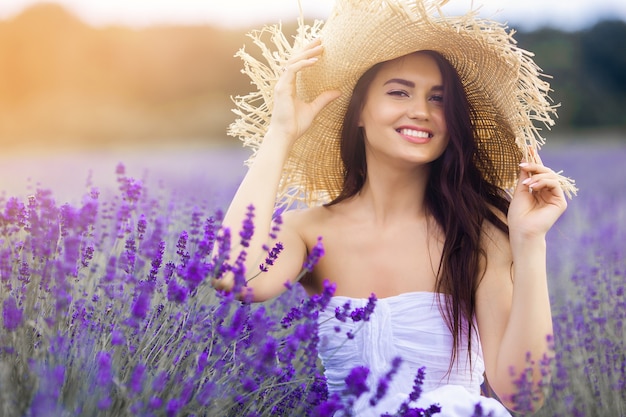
(305, 221)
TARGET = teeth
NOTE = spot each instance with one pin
(415, 133)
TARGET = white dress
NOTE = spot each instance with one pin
(409, 326)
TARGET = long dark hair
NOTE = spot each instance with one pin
(458, 195)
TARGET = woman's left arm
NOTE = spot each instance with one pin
(513, 305)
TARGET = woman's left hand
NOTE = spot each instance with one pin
(538, 200)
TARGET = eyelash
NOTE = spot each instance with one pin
(398, 93)
(436, 97)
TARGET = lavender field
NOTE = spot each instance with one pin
(105, 266)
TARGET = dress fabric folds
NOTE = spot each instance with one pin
(409, 326)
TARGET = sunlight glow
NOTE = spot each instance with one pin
(528, 14)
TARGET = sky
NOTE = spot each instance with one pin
(521, 14)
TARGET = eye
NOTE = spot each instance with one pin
(437, 98)
(398, 93)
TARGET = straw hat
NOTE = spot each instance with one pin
(501, 81)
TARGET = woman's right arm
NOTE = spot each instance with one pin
(291, 117)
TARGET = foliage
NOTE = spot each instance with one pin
(587, 70)
(107, 309)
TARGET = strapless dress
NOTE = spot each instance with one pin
(409, 326)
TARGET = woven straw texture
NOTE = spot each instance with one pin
(503, 84)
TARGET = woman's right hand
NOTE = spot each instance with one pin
(291, 116)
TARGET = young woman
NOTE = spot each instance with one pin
(403, 133)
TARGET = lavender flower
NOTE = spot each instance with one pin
(356, 382)
(313, 258)
(271, 257)
(135, 384)
(141, 304)
(11, 314)
(119, 323)
(117, 337)
(383, 382)
(364, 313)
(247, 230)
(176, 293)
(104, 376)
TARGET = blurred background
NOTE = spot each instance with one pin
(92, 82)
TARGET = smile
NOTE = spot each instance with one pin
(415, 133)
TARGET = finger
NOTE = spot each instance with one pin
(535, 168)
(546, 184)
(323, 99)
(288, 77)
(534, 155)
(312, 50)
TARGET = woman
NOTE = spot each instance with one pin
(402, 131)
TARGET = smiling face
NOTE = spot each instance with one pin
(403, 114)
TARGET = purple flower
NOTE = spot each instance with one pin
(202, 361)
(364, 313)
(342, 313)
(271, 256)
(103, 361)
(383, 382)
(173, 407)
(135, 384)
(247, 230)
(249, 384)
(195, 222)
(313, 258)
(156, 262)
(416, 392)
(141, 305)
(159, 382)
(11, 314)
(181, 247)
(155, 403)
(46, 399)
(194, 273)
(104, 402)
(223, 253)
(117, 338)
(142, 225)
(176, 293)
(278, 221)
(356, 382)
(87, 255)
(204, 396)
(131, 253)
(205, 246)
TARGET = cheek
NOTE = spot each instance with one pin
(441, 119)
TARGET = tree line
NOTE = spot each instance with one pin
(64, 81)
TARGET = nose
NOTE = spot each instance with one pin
(418, 109)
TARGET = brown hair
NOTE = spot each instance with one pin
(458, 195)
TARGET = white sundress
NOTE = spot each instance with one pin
(409, 326)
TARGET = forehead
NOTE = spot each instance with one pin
(417, 66)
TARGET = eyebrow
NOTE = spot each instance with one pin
(410, 84)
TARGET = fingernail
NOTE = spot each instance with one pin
(523, 164)
(526, 181)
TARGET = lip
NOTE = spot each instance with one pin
(415, 134)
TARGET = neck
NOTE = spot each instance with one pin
(393, 194)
